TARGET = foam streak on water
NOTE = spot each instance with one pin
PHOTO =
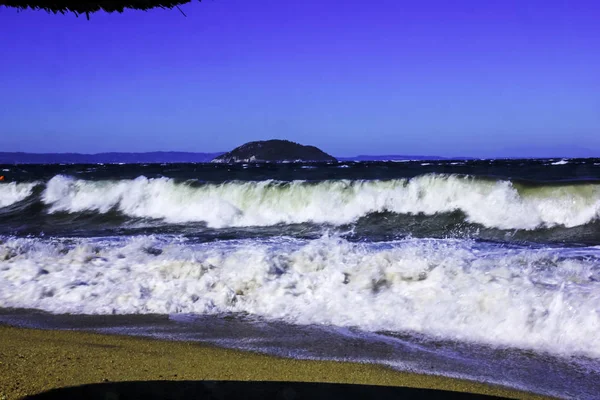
(545, 299)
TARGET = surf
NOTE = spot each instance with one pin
(500, 204)
(11, 193)
(506, 296)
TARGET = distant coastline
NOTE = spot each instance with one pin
(168, 157)
(160, 157)
(125, 158)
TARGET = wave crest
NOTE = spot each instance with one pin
(495, 204)
(11, 193)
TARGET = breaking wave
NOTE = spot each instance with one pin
(11, 193)
(543, 299)
(498, 204)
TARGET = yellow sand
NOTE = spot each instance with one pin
(33, 361)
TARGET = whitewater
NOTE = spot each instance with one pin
(547, 299)
(487, 270)
(11, 193)
(501, 204)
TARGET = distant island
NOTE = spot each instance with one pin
(262, 151)
(159, 157)
(274, 151)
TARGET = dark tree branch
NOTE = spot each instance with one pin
(91, 6)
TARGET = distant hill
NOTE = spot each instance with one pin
(127, 158)
(270, 151)
(273, 151)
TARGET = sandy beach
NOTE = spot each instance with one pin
(33, 361)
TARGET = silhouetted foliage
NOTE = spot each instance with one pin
(90, 6)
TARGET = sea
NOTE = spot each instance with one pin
(486, 270)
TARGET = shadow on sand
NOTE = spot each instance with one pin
(224, 390)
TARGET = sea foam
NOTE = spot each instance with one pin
(11, 193)
(546, 299)
(495, 204)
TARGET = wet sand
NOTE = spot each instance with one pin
(33, 361)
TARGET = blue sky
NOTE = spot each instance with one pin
(382, 77)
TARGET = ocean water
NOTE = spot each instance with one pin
(470, 262)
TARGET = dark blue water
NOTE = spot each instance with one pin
(32, 212)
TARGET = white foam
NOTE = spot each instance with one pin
(13, 192)
(561, 162)
(496, 204)
(547, 300)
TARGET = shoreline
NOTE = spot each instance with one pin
(33, 361)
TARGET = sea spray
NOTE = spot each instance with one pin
(491, 203)
(11, 193)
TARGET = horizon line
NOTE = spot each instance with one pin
(422, 156)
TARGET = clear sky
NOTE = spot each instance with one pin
(450, 78)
